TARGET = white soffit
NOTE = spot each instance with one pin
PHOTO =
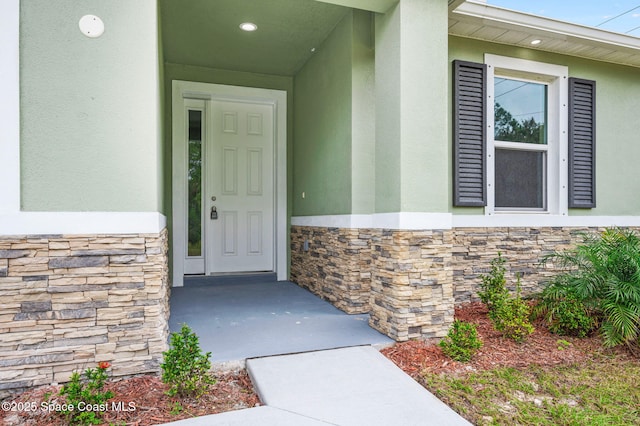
(494, 24)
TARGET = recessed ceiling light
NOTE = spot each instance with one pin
(536, 41)
(248, 26)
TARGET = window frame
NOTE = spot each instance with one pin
(555, 77)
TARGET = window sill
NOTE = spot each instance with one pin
(523, 212)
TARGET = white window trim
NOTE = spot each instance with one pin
(556, 78)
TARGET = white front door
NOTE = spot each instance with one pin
(229, 180)
(239, 190)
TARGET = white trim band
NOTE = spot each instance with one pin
(354, 221)
(76, 223)
(541, 220)
(419, 221)
(412, 220)
(399, 220)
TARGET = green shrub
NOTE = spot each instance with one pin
(461, 342)
(603, 274)
(82, 394)
(509, 315)
(185, 367)
(493, 289)
(564, 312)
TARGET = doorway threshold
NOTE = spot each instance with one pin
(229, 278)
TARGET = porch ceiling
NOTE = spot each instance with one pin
(206, 33)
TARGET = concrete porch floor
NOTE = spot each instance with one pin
(240, 317)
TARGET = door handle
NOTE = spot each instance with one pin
(214, 213)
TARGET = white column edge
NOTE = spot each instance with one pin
(10, 106)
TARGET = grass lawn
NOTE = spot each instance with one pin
(545, 380)
(603, 391)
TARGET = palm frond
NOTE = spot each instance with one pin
(621, 323)
(603, 274)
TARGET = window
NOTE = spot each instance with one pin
(520, 144)
(524, 137)
(527, 149)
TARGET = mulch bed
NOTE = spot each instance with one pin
(541, 348)
(233, 391)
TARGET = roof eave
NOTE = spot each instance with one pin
(492, 16)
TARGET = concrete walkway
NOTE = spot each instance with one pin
(350, 386)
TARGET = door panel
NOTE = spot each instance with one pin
(240, 178)
(254, 232)
(229, 171)
(229, 233)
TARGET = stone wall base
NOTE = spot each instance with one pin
(413, 279)
(70, 301)
(523, 248)
(335, 265)
(401, 278)
(411, 284)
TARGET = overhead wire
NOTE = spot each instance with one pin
(633, 29)
(617, 16)
(512, 90)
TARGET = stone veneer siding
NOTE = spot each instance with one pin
(523, 248)
(337, 266)
(401, 278)
(411, 284)
(70, 301)
(413, 279)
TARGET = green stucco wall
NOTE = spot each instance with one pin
(617, 128)
(90, 128)
(388, 109)
(363, 112)
(322, 127)
(411, 117)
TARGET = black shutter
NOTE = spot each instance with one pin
(582, 143)
(469, 134)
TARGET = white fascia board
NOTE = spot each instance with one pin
(81, 223)
(10, 107)
(514, 19)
